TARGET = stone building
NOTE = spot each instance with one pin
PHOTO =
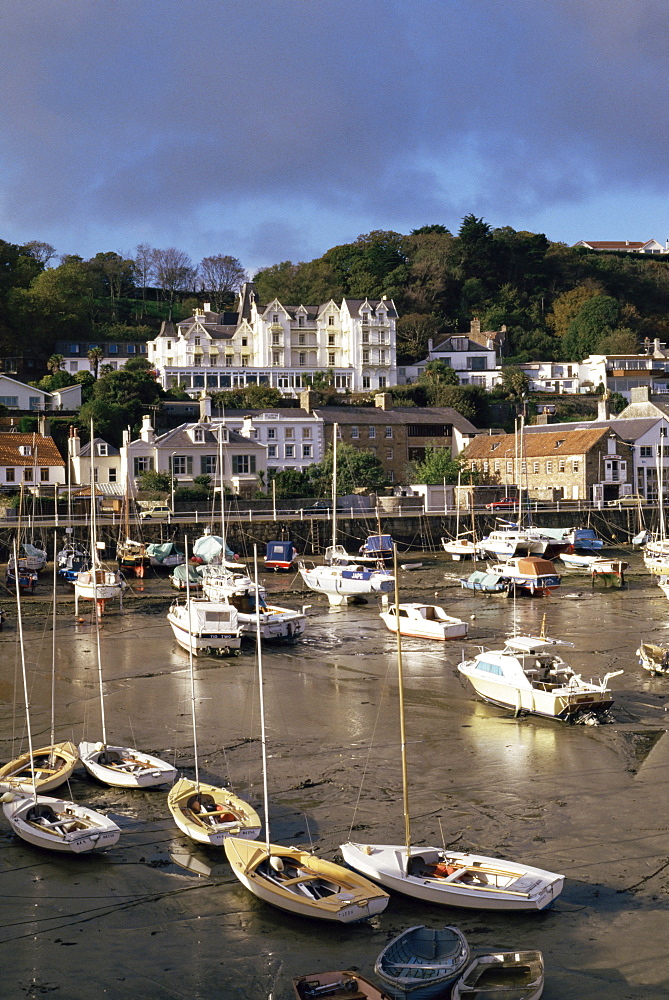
(582, 464)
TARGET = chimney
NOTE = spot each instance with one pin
(430, 345)
(657, 347)
(205, 408)
(147, 433)
(475, 328)
(308, 400)
(603, 408)
(73, 443)
(640, 394)
(247, 427)
(382, 400)
(44, 426)
(207, 307)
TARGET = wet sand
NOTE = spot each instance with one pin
(590, 802)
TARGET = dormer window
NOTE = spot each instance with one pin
(25, 450)
(495, 446)
(330, 320)
(196, 341)
(103, 450)
(558, 444)
(300, 320)
(275, 317)
(198, 435)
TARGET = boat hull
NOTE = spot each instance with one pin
(412, 623)
(507, 885)
(351, 985)
(422, 963)
(57, 764)
(343, 583)
(135, 769)
(516, 975)
(212, 826)
(349, 897)
(76, 829)
(561, 704)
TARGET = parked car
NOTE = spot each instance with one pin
(633, 500)
(158, 512)
(506, 503)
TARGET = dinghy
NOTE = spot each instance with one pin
(336, 986)
(48, 768)
(506, 975)
(57, 824)
(422, 962)
(424, 621)
(654, 659)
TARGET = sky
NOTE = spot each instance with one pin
(272, 130)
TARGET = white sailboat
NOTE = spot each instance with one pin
(53, 823)
(449, 878)
(293, 879)
(462, 546)
(347, 581)
(207, 813)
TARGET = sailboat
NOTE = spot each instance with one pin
(438, 875)
(48, 767)
(342, 581)
(462, 546)
(122, 767)
(52, 823)
(293, 879)
(656, 551)
(206, 813)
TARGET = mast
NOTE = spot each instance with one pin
(190, 665)
(403, 742)
(334, 484)
(457, 505)
(261, 694)
(94, 565)
(220, 479)
(23, 671)
(53, 642)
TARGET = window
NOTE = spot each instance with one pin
(549, 468)
(383, 381)
(290, 451)
(365, 317)
(276, 339)
(9, 475)
(331, 359)
(242, 465)
(25, 450)
(301, 339)
(196, 341)
(271, 451)
(371, 432)
(331, 340)
(103, 449)
(131, 348)
(575, 465)
(74, 348)
(34, 402)
(306, 451)
(208, 465)
(229, 359)
(561, 465)
(355, 432)
(306, 432)
(389, 453)
(44, 475)
(300, 320)
(276, 359)
(509, 467)
(142, 463)
(142, 348)
(112, 349)
(476, 364)
(389, 432)
(9, 400)
(28, 475)
(302, 359)
(365, 357)
(275, 317)
(290, 433)
(535, 468)
(169, 345)
(486, 466)
(330, 320)
(74, 366)
(271, 433)
(245, 341)
(382, 357)
(365, 337)
(366, 382)
(646, 451)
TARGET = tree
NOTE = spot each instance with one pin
(596, 319)
(151, 480)
(144, 266)
(42, 252)
(174, 272)
(356, 469)
(291, 483)
(95, 356)
(221, 276)
(117, 275)
(56, 363)
(436, 468)
(437, 372)
(515, 381)
(119, 399)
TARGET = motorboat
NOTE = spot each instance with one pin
(422, 962)
(336, 986)
(573, 539)
(71, 561)
(57, 824)
(276, 622)
(280, 555)
(26, 579)
(424, 621)
(34, 556)
(504, 975)
(206, 626)
(611, 572)
(530, 574)
(511, 540)
(485, 583)
(653, 658)
(527, 675)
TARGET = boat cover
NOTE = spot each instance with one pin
(280, 552)
(194, 573)
(161, 552)
(533, 566)
(484, 581)
(208, 548)
(377, 543)
(31, 550)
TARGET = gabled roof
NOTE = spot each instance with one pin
(472, 345)
(403, 415)
(179, 437)
(111, 450)
(44, 453)
(537, 445)
(628, 429)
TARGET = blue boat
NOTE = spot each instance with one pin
(280, 555)
(376, 548)
(422, 962)
(487, 583)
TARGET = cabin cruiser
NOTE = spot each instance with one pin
(424, 621)
(527, 573)
(342, 583)
(512, 539)
(220, 584)
(527, 675)
(205, 626)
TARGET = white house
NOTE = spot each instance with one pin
(624, 372)
(192, 450)
(106, 461)
(625, 246)
(17, 395)
(31, 459)
(473, 355)
(294, 438)
(279, 345)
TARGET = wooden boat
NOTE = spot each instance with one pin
(422, 962)
(527, 675)
(449, 878)
(124, 767)
(293, 879)
(336, 986)
(206, 626)
(208, 814)
(301, 883)
(505, 975)
(57, 824)
(528, 574)
(424, 621)
(654, 659)
(48, 768)
(280, 555)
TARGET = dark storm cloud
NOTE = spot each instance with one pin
(283, 127)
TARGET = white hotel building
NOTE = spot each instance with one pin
(279, 346)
